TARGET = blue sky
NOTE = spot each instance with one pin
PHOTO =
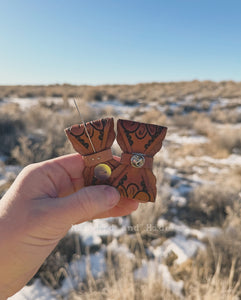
(119, 41)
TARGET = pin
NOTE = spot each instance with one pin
(101, 171)
(86, 131)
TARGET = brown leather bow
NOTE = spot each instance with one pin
(133, 175)
(102, 135)
(140, 142)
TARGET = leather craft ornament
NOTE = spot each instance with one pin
(139, 142)
(102, 136)
(133, 175)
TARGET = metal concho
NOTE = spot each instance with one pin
(137, 160)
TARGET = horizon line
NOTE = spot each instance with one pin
(122, 83)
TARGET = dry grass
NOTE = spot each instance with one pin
(228, 139)
(37, 134)
(200, 91)
(11, 127)
(200, 283)
(208, 204)
(214, 274)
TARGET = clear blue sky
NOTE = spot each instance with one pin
(119, 41)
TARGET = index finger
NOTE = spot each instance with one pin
(72, 163)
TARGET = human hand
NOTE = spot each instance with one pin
(38, 210)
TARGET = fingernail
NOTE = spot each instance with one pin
(113, 196)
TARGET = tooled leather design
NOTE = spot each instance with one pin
(146, 139)
(102, 136)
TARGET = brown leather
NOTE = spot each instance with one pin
(146, 139)
(102, 136)
(126, 160)
(133, 138)
(97, 158)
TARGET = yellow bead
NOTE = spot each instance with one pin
(102, 171)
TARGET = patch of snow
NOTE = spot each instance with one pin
(175, 286)
(91, 240)
(91, 232)
(151, 269)
(182, 247)
(3, 158)
(3, 181)
(182, 229)
(232, 159)
(211, 231)
(213, 170)
(170, 171)
(147, 270)
(184, 189)
(117, 248)
(230, 125)
(78, 271)
(223, 101)
(54, 100)
(238, 109)
(162, 222)
(179, 200)
(12, 171)
(23, 103)
(96, 263)
(198, 170)
(36, 291)
(160, 107)
(176, 138)
(119, 107)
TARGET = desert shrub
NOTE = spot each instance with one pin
(208, 204)
(228, 139)
(225, 115)
(119, 283)
(220, 264)
(38, 133)
(182, 121)
(11, 128)
(201, 282)
(213, 286)
(32, 150)
(152, 116)
(44, 136)
(66, 251)
(203, 125)
(233, 219)
(214, 274)
(93, 95)
(37, 147)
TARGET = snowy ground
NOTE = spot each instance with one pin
(184, 244)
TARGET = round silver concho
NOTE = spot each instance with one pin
(137, 160)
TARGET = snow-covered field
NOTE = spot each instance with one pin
(181, 175)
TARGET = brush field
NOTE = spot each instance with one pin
(187, 244)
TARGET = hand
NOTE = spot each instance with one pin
(38, 210)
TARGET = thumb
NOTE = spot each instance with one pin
(86, 203)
